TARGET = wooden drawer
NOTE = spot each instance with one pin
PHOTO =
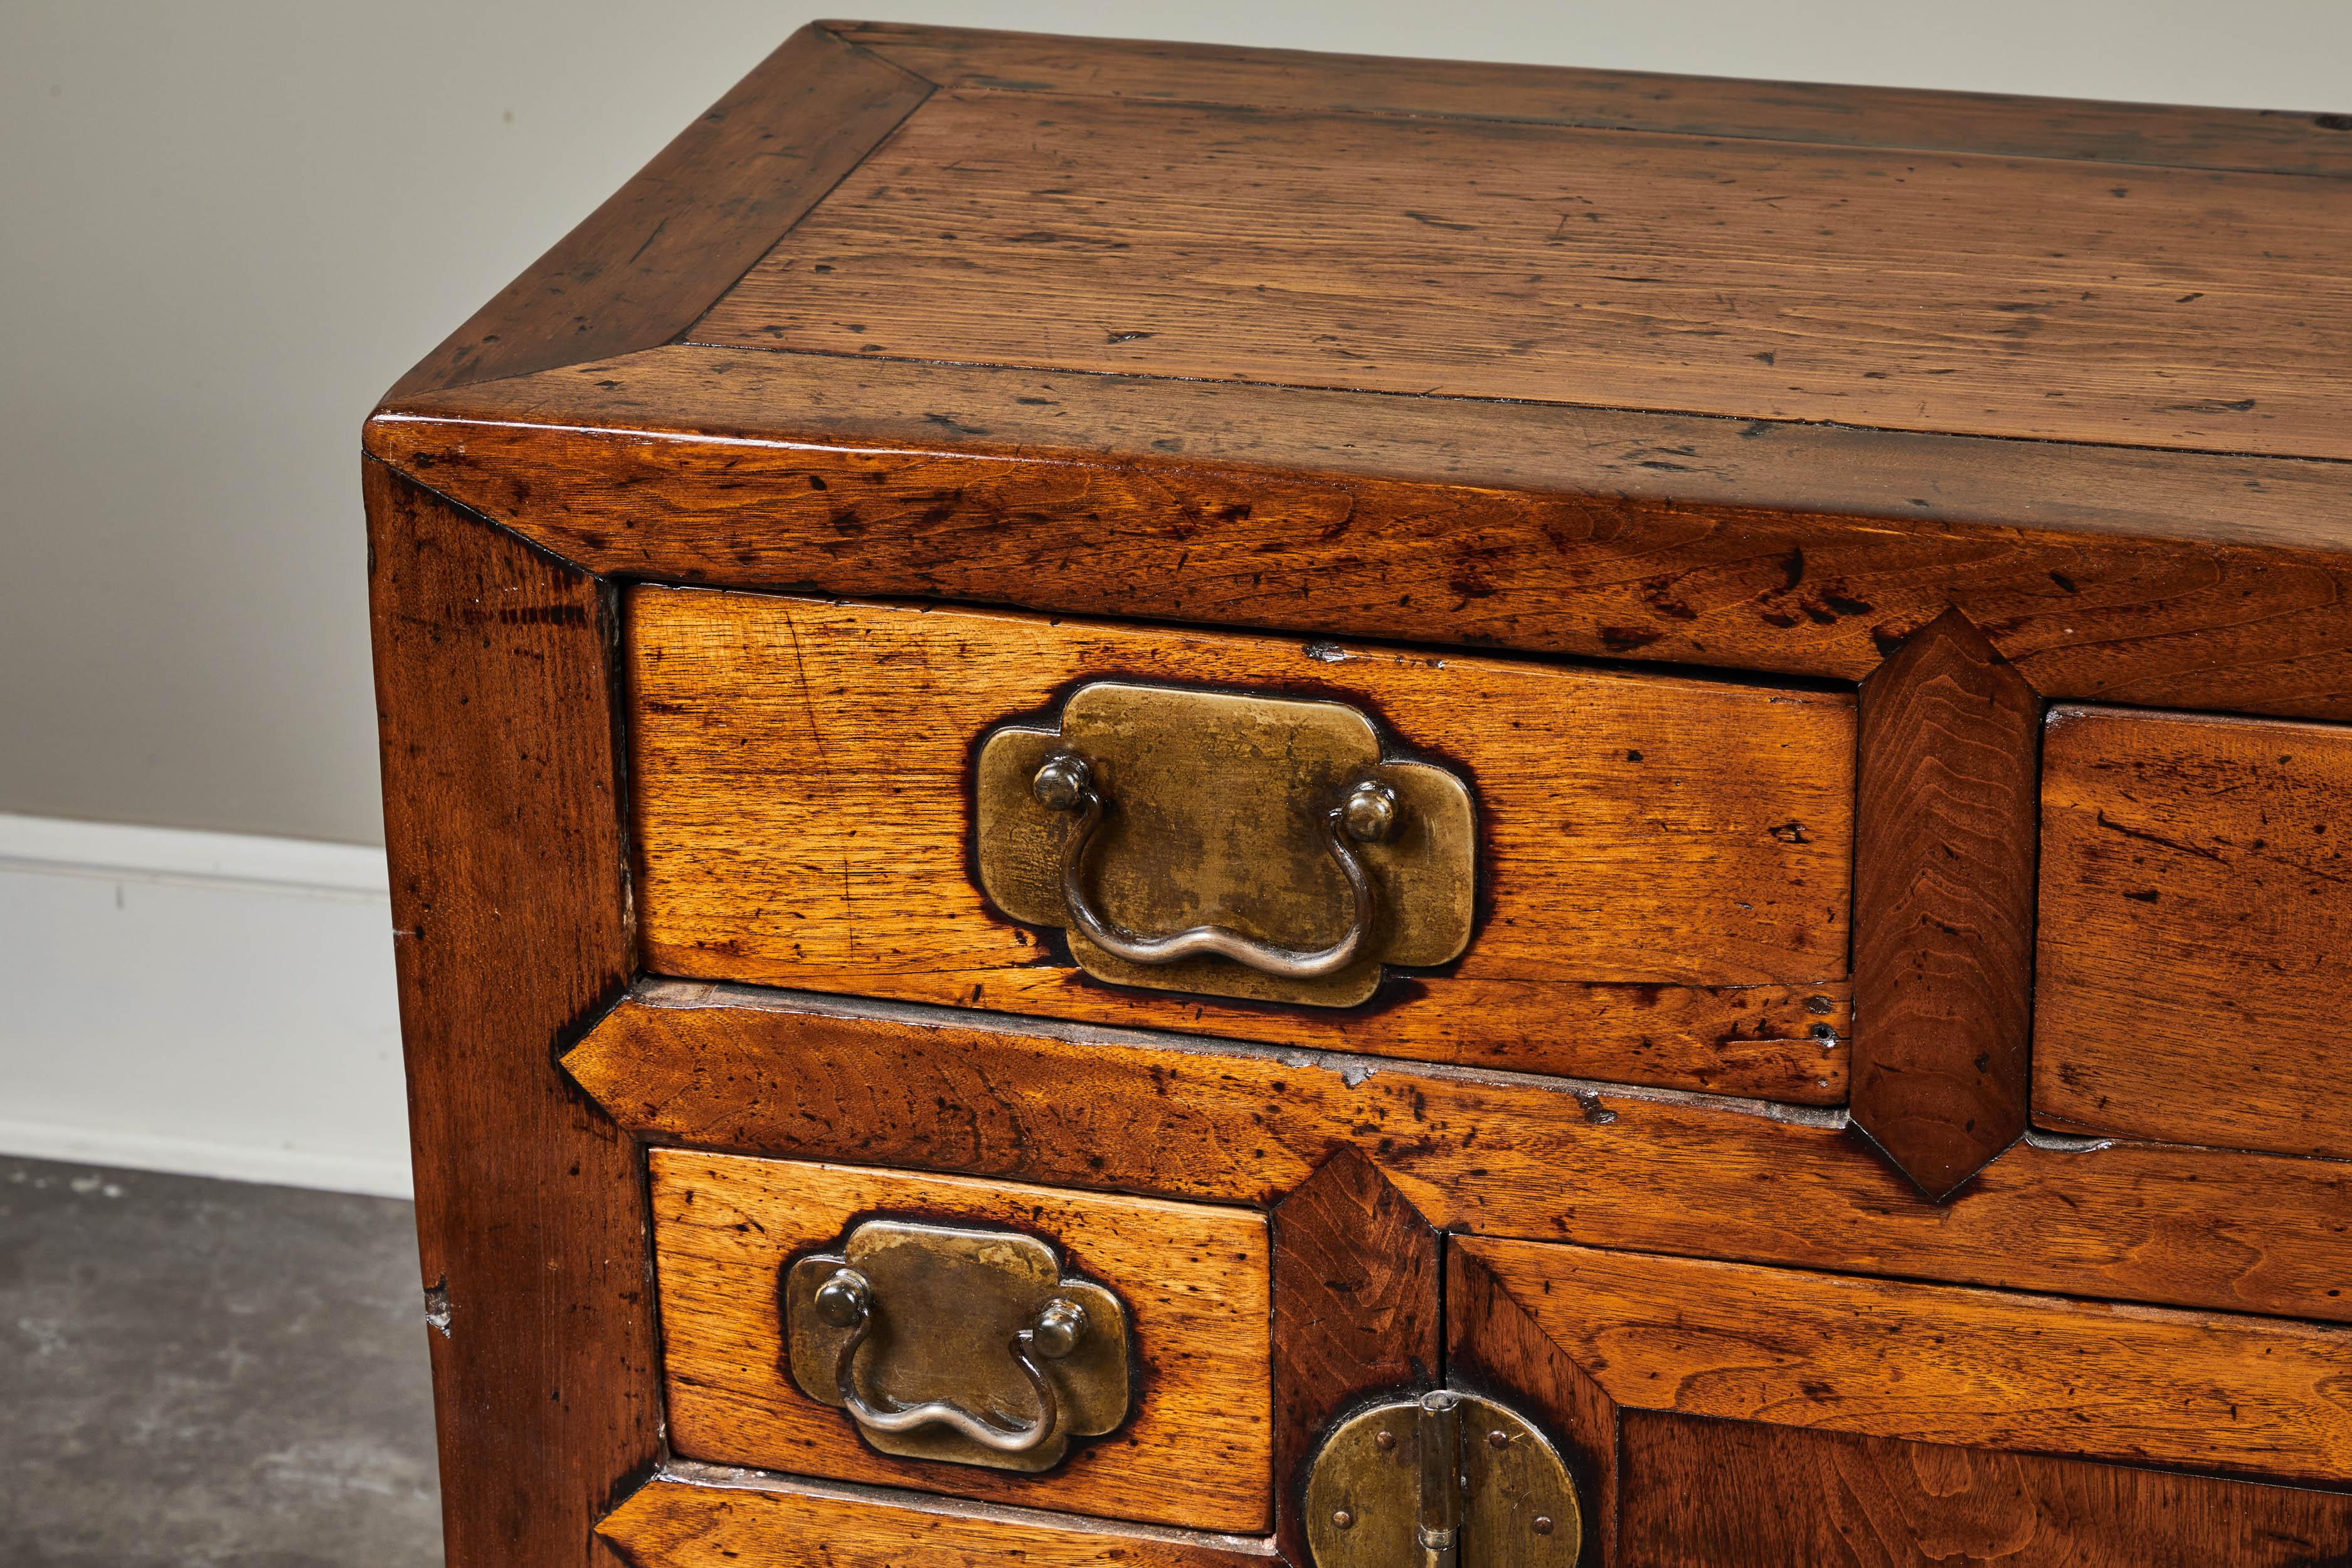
(1194, 1450)
(1664, 864)
(2196, 933)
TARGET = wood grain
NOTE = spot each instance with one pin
(1701, 1493)
(2275, 141)
(2198, 889)
(510, 922)
(727, 1068)
(696, 1516)
(2170, 579)
(639, 270)
(801, 778)
(1194, 1279)
(1932, 1362)
(2147, 307)
(1943, 912)
(1494, 1348)
(1357, 1311)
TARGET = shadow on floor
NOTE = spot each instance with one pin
(207, 1374)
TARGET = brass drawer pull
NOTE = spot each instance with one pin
(1231, 844)
(1368, 816)
(969, 1345)
(846, 1301)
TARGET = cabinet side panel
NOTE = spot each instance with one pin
(510, 909)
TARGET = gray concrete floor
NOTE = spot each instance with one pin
(208, 1375)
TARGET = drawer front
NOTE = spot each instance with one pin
(2196, 934)
(1720, 1413)
(1663, 865)
(1192, 1449)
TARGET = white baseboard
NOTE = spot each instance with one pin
(213, 1003)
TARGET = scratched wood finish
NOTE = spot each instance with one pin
(1357, 1313)
(1194, 1278)
(511, 923)
(639, 270)
(2166, 579)
(1943, 909)
(2164, 308)
(698, 1516)
(1494, 1347)
(727, 1068)
(2274, 141)
(1933, 1362)
(2198, 911)
(1702, 1493)
(801, 775)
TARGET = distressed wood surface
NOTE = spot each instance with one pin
(801, 778)
(1194, 1279)
(1494, 1348)
(1357, 1313)
(2262, 139)
(511, 918)
(640, 269)
(1932, 1362)
(1943, 909)
(727, 1068)
(2198, 913)
(697, 1516)
(1702, 1493)
(2036, 298)
(2170, 579)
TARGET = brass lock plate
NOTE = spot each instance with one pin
(1443, 1477)
(1227, 843)
(967, 1345)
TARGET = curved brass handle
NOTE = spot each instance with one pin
(1368, 816)
(846, 1301)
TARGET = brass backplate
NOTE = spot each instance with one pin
(1214, 804)
(947, 1305)
(1364, 1502)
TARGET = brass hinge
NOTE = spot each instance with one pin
(1441, 1479)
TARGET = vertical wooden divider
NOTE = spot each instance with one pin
(511, 910)
(1946, 834)
(1356, 1312)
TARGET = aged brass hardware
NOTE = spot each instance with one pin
(1442, 1480)
(1225, 843)
(966, 1346)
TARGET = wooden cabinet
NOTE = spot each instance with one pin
(1119, 776)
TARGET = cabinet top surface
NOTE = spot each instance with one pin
(1037, 224)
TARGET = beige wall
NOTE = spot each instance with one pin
(225, 226)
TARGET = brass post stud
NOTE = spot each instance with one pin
(843, 1300)
(1369, 812)
(1061, 1325)
(1387, 1440)
(1062, 782)
(1343, 1519)
(1543, 1524)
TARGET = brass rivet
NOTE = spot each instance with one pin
(1369, 812)
(1543, 1524)
(1498, 1439)
(1387, 1440)
(1347, 1521)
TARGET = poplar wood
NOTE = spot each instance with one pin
(2265, 139)
(801, 776)
(511, 930)
(1196, 1453)
(1944, 843)
(723, 1067)
(1932, 1362)
(2198, 913)
(1870, 286)
(1701, 1493)
(694, 1515)
(1357, 1313)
